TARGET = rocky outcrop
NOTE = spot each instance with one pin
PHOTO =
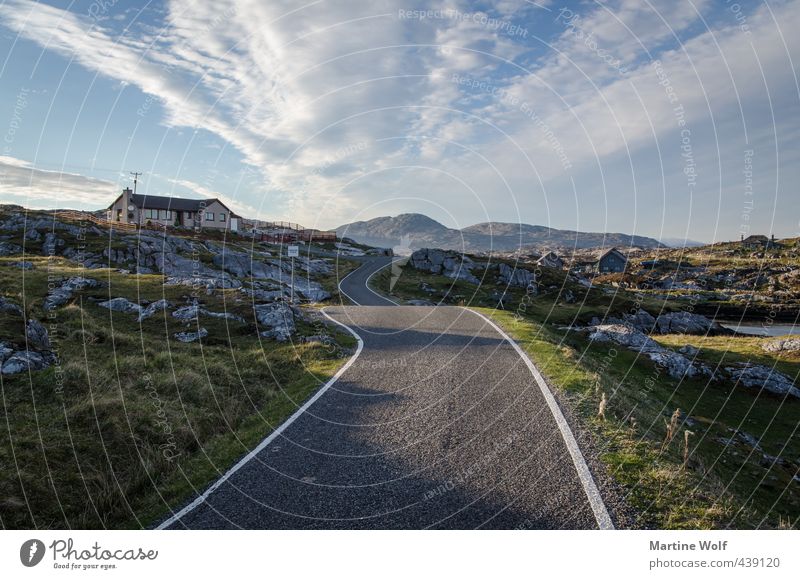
(62, 294)
(687, 323)
(123, 305)
(783, 345)
(193, 311)
(51, 243)
(25, 360)
(275, 320)
(152, 308)
(668, 323)
(37, 354)
(187, 337)
(516, 277)
(448, 263)
(37, 335)
(7, 248)
(8, 307)
(676, 364)
(758, 376)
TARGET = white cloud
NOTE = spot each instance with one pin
(21, 183)
(289, 85)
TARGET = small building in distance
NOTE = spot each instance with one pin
(551, 259)
(612, 261)
(155, 210)
(759, 242)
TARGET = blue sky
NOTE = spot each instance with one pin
(665, 118)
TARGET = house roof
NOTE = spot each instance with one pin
(611, 251)
(174, 203)
(756, 239)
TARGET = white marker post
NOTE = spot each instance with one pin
(292, 251)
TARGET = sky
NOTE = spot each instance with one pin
(665, 118)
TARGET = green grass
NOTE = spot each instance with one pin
(720, 486)
(131, 422)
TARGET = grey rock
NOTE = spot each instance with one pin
(783, 345)
(151, 309)
(33, 235)
(37, 335)
(22, 361)
(277, 318)
(758, 376)
(22, 264)
(121, 305)
(689, 350)
(8, 307)
(8, 248)
(5, 351)
(51, 243)
(187, 337)
(677, 365)
(448, 263)
(62, 294)
(687, 323)
(193, 311)
(516, 277)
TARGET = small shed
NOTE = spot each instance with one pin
(612, 261)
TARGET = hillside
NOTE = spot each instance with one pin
(153, 359)
(415, 231)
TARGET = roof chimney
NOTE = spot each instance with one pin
(127, 190)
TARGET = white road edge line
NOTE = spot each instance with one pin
(590, 488)
(369, 277)
(273, 435)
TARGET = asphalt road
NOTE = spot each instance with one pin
(438, 422)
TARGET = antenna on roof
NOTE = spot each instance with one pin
(135, 180)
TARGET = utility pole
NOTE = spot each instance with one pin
(135, 180)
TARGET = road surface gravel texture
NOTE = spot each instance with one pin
(437, 423)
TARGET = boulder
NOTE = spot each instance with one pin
(60, 295)
(448, 263)
(5, 352)
(516, 277)
(8, 307)
(624, 335)
(22, 264)
(193, 311)
(21, 361)
(187, 337)
(759, 376)
(151, 309)
(7, 248)
(121, 305)
(37, 335)
(51, 243)
(277, 319)
(783, 345)
(687, 323)
(677, 365)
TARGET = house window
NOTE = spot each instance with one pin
(164, 214)
(209, 216)
(222, 217)
(119, 214)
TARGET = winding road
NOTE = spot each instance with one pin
(439, 421)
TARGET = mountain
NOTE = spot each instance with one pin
(410, 231)
(681, 242)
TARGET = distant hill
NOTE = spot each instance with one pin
(681, 242)
(413, 231)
